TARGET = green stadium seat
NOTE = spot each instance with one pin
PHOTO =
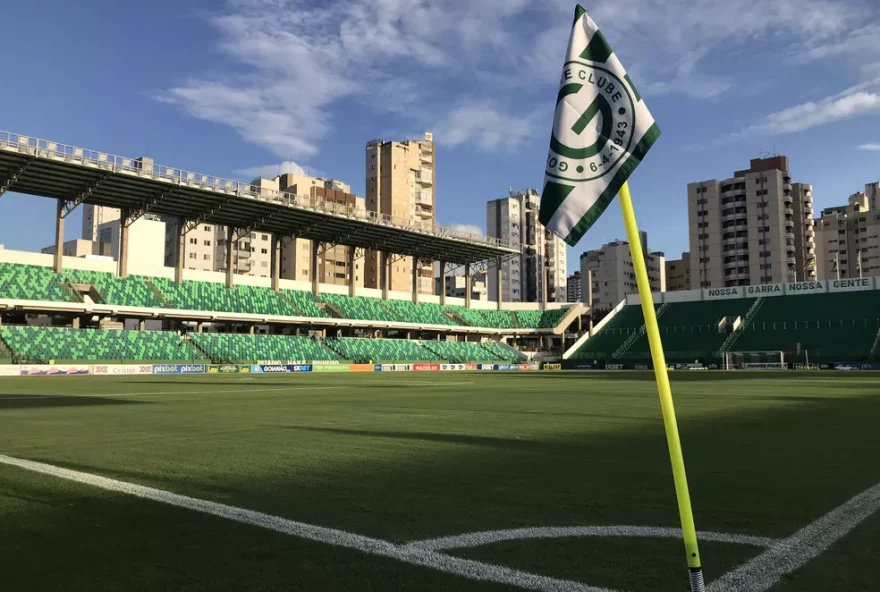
(540, 319)
(612, 335)
(492, 318)
(305, 304)
(41, 344)
(31, 282)
(424, 313)
(195, 295)
(460, 352)
(360, 308)
(245, 348)
(381, 350)
(131, 291)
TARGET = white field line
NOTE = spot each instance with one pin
(758, 575)
(478, 539)
(144, 393)
(789, 554)
(467, 568)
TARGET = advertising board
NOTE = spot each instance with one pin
(393, 368)
(280, 368)
(452, 367)
(228, 369)
(9, 370)
(331, 368)
(54, 370)
(426, 367)
(361, 368)
(179, 369)
(121, 369)
(552, 366)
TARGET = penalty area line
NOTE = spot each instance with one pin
(474, 570)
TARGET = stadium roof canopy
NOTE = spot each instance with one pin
(77, 175)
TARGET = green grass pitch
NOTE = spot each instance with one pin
(407, 457)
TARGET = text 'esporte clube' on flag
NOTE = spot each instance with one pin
(601, 132)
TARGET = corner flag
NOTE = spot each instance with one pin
(601, 132)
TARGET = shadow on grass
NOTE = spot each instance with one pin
(753, 469)
(49, 401)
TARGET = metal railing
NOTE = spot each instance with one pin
(123, 164)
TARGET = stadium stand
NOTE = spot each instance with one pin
(828, 326)
(29, 282)
(503, 351)
(132, 291)
(234, 347)
(380, 350)
(496, 319)
(425, 313)
(611, 336)
(360, 308)
(690, 330)
(540, 319)
(305, 304)
(41, 344)
(460, 352)
(194, 295)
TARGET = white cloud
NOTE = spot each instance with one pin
(482, 124)
(853, 102)
(468, 228)
(270, 171)
(874, 147)
(475, 69)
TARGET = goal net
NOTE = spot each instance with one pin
(755, 360)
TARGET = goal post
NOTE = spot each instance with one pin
(755, 360)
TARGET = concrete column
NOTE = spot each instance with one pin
(385, 277)
(498, 281)
(276, 263)
(59, 237)
(442, 283)
(200, 327)
(545, 290)
(231, 244)
(467, 285)
(123, 243)
(590, 300)
(314, 264)
(142, 325)
(75, 323)
(253, 329)
(352, 282)
(415, 271)
(181, 250)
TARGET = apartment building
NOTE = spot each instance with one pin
(400, 182)
(678, 273)
(456, 287)
(539, 273)
(754, 228)
(613, 274)
(848, 239)
(574, 287)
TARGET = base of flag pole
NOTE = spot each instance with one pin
(697, 583)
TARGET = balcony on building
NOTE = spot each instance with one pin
(425, 177)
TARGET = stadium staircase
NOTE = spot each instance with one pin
(734, 335)
(6, 355)
(624, 347)
(873, 354)
(157, 293)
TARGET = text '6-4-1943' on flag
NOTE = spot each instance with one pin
(601, 132)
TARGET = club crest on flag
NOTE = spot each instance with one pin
(601, 132)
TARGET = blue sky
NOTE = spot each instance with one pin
(246, 86)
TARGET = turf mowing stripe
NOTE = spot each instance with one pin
(467, 568)
(789, 554)
(141, 394)
(478, 539)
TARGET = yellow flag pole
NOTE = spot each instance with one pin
(661, 375)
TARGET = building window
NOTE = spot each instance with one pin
(206, 257)
(207, 243)
(192, 255)
(265, 237)
(193, 241)
(264, 264)
(264, 251)
(207, 229)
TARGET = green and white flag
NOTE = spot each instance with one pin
(601, 132)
